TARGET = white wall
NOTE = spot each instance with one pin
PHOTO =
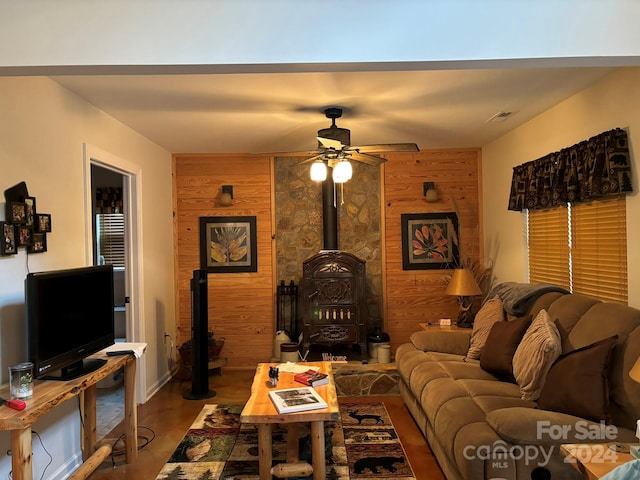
(257, 34)
(611, 102)
(42, 131)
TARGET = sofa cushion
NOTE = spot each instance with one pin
(490, 313)
(501, 345)
(527, 426)
(577, 383)
(539, 348)
(436, 340)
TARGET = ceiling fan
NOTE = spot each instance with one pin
(334, 145)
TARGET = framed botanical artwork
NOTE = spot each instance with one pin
(30, 210)
(16, 213)
(38, 243)
(42, 222)
(430, 241)
(228, 244)
(8, 245)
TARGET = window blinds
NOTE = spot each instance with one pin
(582, 248)
(549, 246)
(599, 249)
(111, 238)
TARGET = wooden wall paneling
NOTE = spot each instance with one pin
(240, 304)
(416, 296)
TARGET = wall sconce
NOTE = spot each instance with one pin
(429, 191)
(226, 199)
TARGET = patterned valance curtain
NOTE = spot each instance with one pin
(594, 168)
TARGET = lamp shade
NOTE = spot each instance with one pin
(634, 373)
(318, 171)
(342, 172)
(463, 284)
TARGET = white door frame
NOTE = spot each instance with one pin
(132, 197)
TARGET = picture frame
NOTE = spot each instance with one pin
(42, 223)
(24, 235)
(8, 245)
(38, 243)
(30, 210)
(16, 213)
(430, 241)
(228, 244)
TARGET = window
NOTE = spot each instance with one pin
(110, 235)
(582, 247)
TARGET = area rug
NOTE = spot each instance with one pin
(362, 445)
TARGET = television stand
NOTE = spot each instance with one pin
(49, 394)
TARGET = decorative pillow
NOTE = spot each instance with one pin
(577, 383)
(538, 349)
(503, 340)
(490, 313)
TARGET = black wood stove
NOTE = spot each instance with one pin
(334, 300)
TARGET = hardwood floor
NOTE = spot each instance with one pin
(165, 418)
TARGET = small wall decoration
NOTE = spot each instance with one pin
(42, 222)
(24, 226)
(108, 200)
(8, 245)
(228, 244)
(30, 210)
(16, 213)
(24, 235)
(430, 241)
(38, 243)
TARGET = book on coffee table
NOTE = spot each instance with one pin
(290, 400)
(312, 378)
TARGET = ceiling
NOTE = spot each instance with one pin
(281, 112)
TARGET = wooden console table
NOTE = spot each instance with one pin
(48, 394)
(594, 460)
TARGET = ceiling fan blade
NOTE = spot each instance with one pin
(312, 159)
(289, 154)
(385, 147)
(329, 143)
(366, 158)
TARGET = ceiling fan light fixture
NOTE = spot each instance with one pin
(318, 171)
(342, 172)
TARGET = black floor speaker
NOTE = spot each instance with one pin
(199, 338)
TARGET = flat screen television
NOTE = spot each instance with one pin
(69, 317)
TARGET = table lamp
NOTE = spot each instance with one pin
(634, 373)
(464, 286)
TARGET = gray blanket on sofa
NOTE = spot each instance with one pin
(518, 297)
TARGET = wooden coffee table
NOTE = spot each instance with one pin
(261, 411)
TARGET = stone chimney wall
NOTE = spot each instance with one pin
(298, 211)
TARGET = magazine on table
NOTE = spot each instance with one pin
(300, 399)
(312, 378)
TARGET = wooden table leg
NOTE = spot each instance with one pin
(293, 453)
(21, 453)
(264, 450)
(130, 412)
(88, 401)
(317, 450)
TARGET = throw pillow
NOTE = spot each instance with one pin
(539, 348)
(490, 313)
(577, 383)
(503, 340)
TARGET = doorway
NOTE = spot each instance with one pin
(112, 206)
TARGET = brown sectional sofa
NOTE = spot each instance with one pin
(478, 426)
